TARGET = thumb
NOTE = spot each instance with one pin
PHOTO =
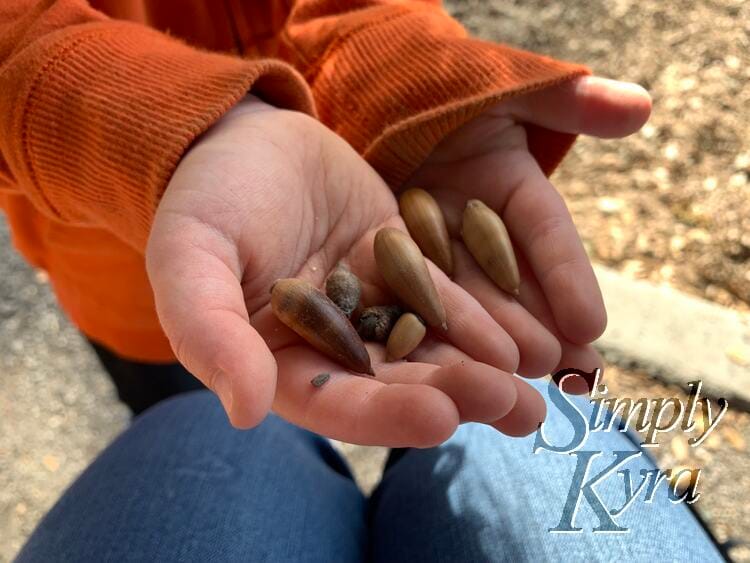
(201, 307)
(588, 105)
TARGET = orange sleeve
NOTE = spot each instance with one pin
(96, 113)
(394, 78)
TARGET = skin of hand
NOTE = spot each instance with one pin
(268, 193)
(559, 311)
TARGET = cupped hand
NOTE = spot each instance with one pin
(560, 309)
(268, 194)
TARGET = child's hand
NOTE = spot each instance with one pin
(560, 309)
(270, 194)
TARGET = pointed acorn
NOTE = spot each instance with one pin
(405, 271)
(405, 337)
(317, 319)
(427, 227)
(487, 239)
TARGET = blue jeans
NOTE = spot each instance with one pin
(181, 485)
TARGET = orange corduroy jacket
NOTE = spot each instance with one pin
(99, 100)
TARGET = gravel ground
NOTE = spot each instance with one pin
(58, 408)
(672, 203)
(669, 204)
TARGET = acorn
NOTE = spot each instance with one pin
(487, 239)
(405, 337)
(317, 319)
(405, 271)
(344, 289)
(427, 227)
(376, 323)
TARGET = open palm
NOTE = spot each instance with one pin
(268, 194)
(559, 310)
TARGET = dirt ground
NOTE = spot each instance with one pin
(672, 203)
(669, 204)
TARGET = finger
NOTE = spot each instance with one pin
(587, 105)
(470, 328)
(201, 308)
(438, 352)
(529, 412)
(539, 350)
(480, 392)
(542, 231)
(362, 410)
(582, 357)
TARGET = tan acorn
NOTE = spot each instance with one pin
(317, 319)
(405, 337)
(344, 289)
(405, 271)
(427, 227)
(488, 242)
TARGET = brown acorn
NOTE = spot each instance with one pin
(344, 289)
(487, 239)
(405, 337)
(427, 227)
(376, 323)
(403, 267)
(317, 319)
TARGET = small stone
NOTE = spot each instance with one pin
(737, 180)
(677, 244)
(710, 184)
(680, 448)
(739, 354)
(51, 463)
(649, 131)
(320, 379)
(671, 151)
(742, 161)
(735, 439)
(609, 205)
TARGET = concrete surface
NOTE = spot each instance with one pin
(676, 337)
(57, 407)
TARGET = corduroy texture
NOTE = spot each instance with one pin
(92, 126)
(396, 89)
(96, 113)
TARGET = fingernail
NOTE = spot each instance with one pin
(223, 388)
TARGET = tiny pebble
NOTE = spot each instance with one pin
(320, 379)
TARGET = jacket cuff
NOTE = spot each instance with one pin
(108, 112)
(396, 87)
